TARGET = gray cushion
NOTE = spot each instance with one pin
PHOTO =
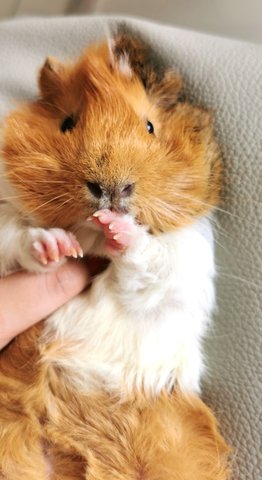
(225, 75)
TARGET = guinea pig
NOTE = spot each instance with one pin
(111, 161)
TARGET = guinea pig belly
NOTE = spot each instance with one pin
(120, 339)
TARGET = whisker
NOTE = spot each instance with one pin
(45, 165)
(220, 231)
(252, 268)
(216, 208)
(58, 207)
(221, 245)
(171, 214)
(170, 209)
(238, 278)
(12, 197)
(48, 202)
(60, 182)
(59, 108)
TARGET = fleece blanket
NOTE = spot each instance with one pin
(226, 76)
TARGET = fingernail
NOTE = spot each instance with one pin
(111, 226)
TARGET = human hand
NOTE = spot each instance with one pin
(26, 298)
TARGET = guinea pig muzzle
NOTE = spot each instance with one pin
(114, 198)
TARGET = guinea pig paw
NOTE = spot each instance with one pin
(50, 247)
(120, 230)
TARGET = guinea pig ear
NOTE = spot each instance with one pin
(119, 61)
(51, 78)
(132, 55)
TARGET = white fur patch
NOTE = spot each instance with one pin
(140, 325)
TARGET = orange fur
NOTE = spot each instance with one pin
(176, 172)
(47, 426)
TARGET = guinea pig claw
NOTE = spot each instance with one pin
(97, 214)
(117, 237)
(39, 252)
(55, 257)
(75, 250)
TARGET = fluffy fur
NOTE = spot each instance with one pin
(50, 431)
(142, 322)
(137, 331)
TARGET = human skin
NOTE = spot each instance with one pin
(26, 298)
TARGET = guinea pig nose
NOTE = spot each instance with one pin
(127, 189)
(95, 189)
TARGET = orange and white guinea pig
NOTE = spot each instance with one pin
(110, 161)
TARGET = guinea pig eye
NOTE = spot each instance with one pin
(150, 127)
(68, 124)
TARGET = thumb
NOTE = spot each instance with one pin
(27, 298)
(64, 283)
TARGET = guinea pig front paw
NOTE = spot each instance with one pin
(45, 249)
(120, 230)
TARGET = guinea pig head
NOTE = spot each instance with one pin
(110, 132)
